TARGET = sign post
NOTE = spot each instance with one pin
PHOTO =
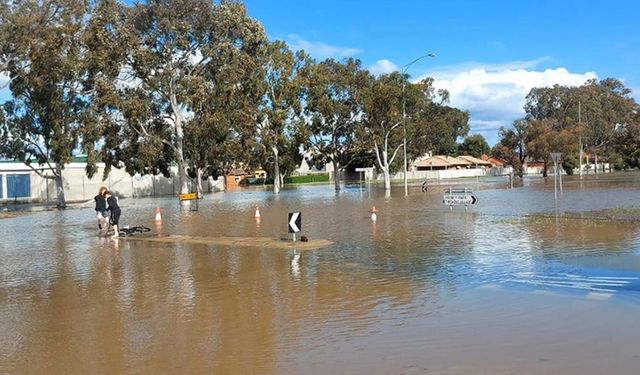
(555, 156)
(189, 197)
(295, 223)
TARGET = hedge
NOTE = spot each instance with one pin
(306, 179)
(288, 180)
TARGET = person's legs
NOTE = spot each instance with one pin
(103, 224)
(115, 219)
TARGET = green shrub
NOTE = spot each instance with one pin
(307, 179)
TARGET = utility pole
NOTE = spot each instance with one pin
(404, 118)
(580, 136)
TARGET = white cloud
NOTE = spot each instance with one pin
(495, 94)
(321, 50)
(382, 67)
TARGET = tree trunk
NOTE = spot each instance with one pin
(61, 202)
(385, 169)
(276, 171)
(336, 174)
(545, 166)
(183, 178)
(596, 165)
(199, 182)
(387, 179)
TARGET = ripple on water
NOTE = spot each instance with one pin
(420, 283)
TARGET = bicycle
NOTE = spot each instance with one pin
(125, 231)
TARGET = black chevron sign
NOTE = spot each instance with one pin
(295, 222)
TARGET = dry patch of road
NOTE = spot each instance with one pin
(261, 242)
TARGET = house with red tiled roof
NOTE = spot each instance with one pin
(496, 162)
(445, 162)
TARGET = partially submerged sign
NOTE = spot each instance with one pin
(295, 222)
(188, 197)
(459, 197)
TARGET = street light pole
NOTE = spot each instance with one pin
(580, 137)
(404, 117)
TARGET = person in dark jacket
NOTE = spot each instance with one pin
(115, 211)
(101, 208)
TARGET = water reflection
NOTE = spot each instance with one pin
(420, 276)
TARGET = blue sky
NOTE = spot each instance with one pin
(489, 53)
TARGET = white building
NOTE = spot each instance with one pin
(20, 182)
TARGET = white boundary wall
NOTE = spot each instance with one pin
(78, 187)
(443, 174)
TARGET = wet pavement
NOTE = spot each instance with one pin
(422, 290)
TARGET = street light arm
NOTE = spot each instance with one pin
(405, 67)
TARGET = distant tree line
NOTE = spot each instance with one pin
(197, 84)
(599, 116)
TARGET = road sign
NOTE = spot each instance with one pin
(187, 197)
(295, 222)
(452, 200)
(459, 196)
(555, 156)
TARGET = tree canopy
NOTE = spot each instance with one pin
(599, 115)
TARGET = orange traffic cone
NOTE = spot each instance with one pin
(158, 219)
(257, 215)
(373, 211)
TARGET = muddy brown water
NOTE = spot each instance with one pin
(423, 290)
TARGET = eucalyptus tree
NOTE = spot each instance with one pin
(107, 39)
(281, 112)
(607, 105)
(42, 48)
(222, 132)
(475, 145)
(382, 120)
(545, 137)
(626, 149)
(432, 125)
(429, 123)
(513, 144)
(595, 110)
(335, 107)
(175, 47)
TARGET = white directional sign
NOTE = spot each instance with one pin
(295, 222)
(459, 196)
(451, 200)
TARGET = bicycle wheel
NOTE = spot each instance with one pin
(141, 229)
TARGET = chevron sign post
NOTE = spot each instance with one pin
(295, 223)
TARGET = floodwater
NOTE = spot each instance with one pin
(423, 290)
